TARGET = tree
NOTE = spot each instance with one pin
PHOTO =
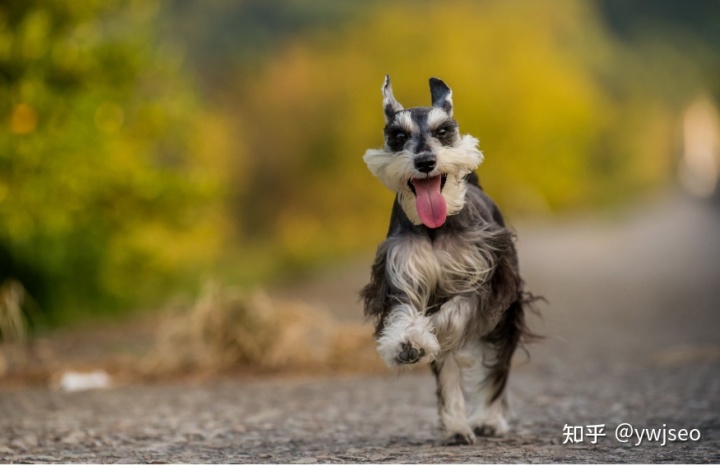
(106, 195)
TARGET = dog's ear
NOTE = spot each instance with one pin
(390, 105)
(441, 95)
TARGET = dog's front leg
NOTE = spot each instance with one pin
(452, 321)
(407, 338)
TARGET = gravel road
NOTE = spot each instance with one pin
(632, 329)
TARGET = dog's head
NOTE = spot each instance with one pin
(425, 159)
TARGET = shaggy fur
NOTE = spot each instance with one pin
(448, 295)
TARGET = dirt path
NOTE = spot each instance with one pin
(633, 338)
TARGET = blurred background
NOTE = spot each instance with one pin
(188, 152)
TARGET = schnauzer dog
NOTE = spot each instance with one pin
(445, 287)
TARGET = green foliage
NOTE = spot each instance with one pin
(566, 119)
(105, 195)
(118, 186)
(227, 34)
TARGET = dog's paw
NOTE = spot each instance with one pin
(492, 428)
(408, 341)
(409, 354)
(460, 438)
(485, 431)
(418, 346)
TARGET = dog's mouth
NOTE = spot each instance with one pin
(430, 203)
(411, 181)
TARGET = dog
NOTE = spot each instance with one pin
(445, 287)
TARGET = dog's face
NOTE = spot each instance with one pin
(425, 159)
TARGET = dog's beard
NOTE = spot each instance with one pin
(421, 201)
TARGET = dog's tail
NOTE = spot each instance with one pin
(512, 331)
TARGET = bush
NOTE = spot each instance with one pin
(107, 196)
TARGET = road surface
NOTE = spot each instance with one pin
(632, 337)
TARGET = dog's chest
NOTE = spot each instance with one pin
(421, 268)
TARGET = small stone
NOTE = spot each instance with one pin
(48, 458)
(306, 460)
(18, 445)
(73, 437)
(30, 440)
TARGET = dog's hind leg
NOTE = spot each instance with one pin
(486, 367)
(451, 401)
(486, 401)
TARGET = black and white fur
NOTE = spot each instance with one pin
(450, 295)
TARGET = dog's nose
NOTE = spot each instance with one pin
(425, 163)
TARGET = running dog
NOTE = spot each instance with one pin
(445, 287)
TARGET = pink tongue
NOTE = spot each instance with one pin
(430, 203)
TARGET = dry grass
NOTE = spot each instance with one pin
(223, 331)
(13, 327)
(226, 330)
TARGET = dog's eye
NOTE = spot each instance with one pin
(442, 132)
(446, 133)
(400, 136)
(396, 138)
